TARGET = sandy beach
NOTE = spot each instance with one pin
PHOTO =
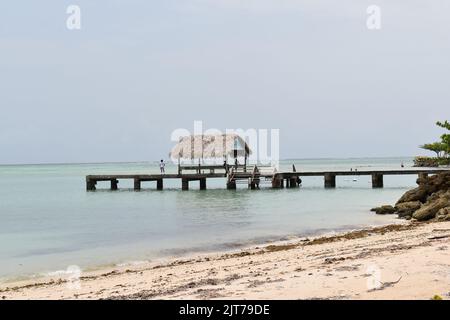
(401, 261)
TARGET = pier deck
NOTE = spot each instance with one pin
(279, 179)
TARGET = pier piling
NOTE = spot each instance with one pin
(277, 182)
(184, 184)
(90, 184)
(114, 184)
(231, 185)
(159, 184)
(137, 184)
(377, 180)
(293, 182)
(330, 180)
(203, 184)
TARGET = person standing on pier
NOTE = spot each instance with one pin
(162, 166)
(225, 165)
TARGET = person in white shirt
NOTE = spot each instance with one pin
(162, 166)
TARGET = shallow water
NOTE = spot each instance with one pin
(48, 221)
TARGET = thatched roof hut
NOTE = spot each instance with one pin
(210, 147)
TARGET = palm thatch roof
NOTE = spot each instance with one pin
(210, 146)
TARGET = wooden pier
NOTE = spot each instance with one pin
(251, 176)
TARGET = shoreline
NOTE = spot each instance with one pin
(325, 267)
(198, 251)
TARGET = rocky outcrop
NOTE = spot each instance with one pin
(431, 208)
(430, 200)
(383, 209)
(443, 214)
(406, 209)
(427, 186)
(417, 194)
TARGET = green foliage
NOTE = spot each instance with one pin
(445, 138)
(445, 124)
(441, 148)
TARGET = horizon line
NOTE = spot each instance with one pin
(151, 161)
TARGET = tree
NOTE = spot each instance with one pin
(442, 148)
(445, 138)
(445, 124)
(438, 147)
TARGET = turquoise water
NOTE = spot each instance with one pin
(48, 221)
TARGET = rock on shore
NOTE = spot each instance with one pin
(430, 200)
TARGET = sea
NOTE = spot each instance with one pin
(49, 222)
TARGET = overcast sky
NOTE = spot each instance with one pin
(139, 69)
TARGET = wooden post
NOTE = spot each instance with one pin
(288, 183)
(203, 184)
(159, 184)
(137, 184)
(252, 183)
(231, 185)
(377, 180)
(114, 183)
(277, 182)
(184, 184)
(330, 180)
(90, 184)
(293, 182)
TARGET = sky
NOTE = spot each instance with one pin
(137, 70)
